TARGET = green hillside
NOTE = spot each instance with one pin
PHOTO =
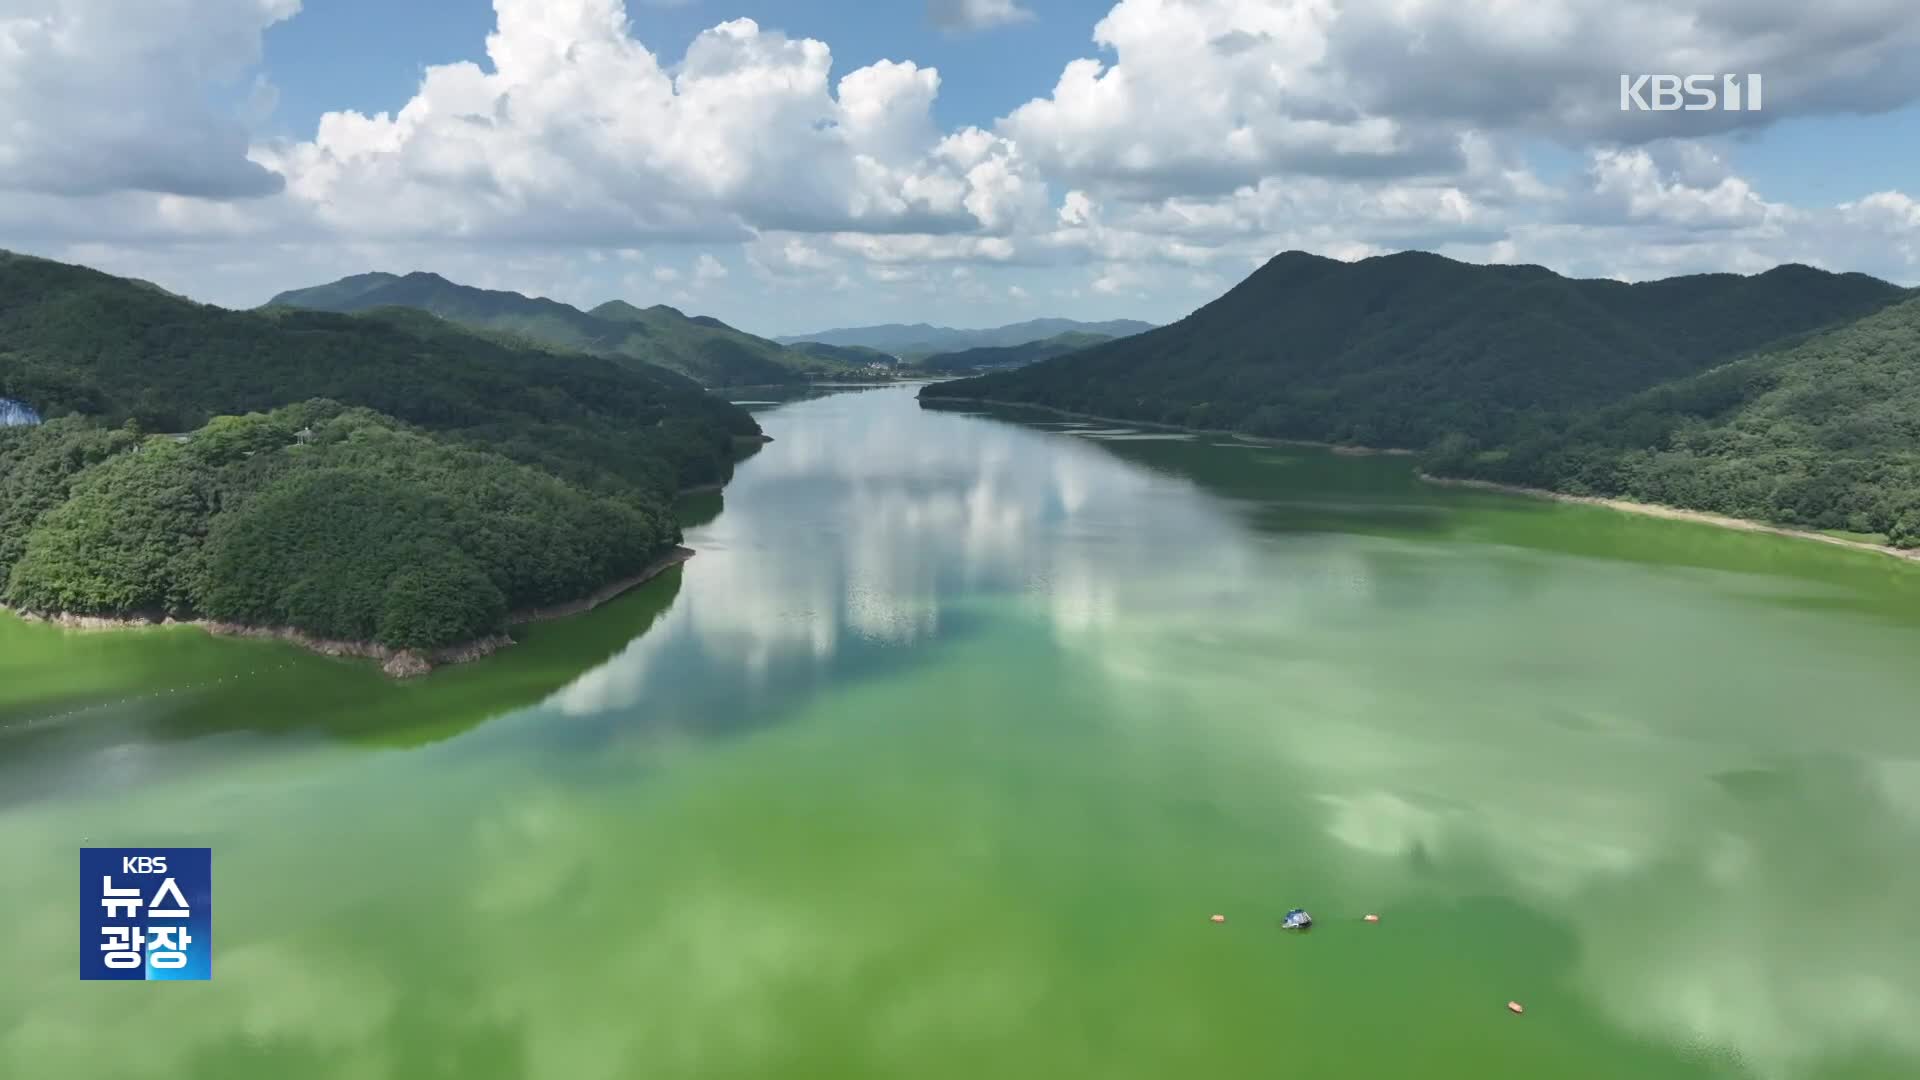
(1402, 350)
(710, 350)
(446, 478)
(1009, 356)
(702, 348)
(1513, 373)
(857, 355)
(1823, 435)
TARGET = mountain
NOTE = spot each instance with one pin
(857, 355)
(1823, 434)
(708, 349)
(1787, 396)
(700, 347)
(1401, 350)
(386, 477)
(1009, 356)
(921, 339)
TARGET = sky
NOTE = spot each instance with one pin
(791, 165)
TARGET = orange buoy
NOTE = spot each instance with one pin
(1373, 918)
(1515, 1007)
(1219, 918)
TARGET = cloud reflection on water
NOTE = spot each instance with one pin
(869, 524)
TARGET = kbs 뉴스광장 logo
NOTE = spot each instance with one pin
(146, 913)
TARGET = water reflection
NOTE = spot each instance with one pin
(1435, 704)
(869, 526)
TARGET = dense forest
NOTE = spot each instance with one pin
(1401, 350)
(443, 480)
(1776, 396)
(1823, 435)
(73, 340)
(371, 531)
(700, 347)
(858, 356)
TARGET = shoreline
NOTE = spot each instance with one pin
(1669, 513)
(395, 663)
(1626, 506)
(1343, 449)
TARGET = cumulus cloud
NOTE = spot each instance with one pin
(99, 96)
(1206, 136)
(580, 133)
(707, 269)
(1210, 94)
(975, 14)
(1691, 194)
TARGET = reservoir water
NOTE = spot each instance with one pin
(938, 757)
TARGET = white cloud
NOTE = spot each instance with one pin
(100, 96)
(1213, 134)
(708, 269)
(580, 134)
(1631, 181)
(1206, 95)
(1890, 210)
(975, 14)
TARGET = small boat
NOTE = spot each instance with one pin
(1297, 919)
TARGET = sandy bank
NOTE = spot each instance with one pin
(1347, 449)
(1673, 513)
(398, 663)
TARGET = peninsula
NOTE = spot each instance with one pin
(385, 485)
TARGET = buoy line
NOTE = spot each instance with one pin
(1513, 1007)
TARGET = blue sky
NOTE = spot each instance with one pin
(708, 153)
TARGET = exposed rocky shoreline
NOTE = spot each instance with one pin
(397, 663)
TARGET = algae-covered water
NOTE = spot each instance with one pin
(937, 758)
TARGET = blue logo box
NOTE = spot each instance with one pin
(146, 913)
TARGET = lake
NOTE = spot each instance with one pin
(938, 757)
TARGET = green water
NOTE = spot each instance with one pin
(936, 759)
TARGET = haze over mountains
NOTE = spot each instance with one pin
(999, 357)
(921, 339)
(1516, 373)
(700, 347)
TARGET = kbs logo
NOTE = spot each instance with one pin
(1692, 93)
(146, 913)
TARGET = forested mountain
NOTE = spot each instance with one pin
(920, 339)
(1008, 356)
(1514, 372)
(857, 355)
(1823, 435)
(433, 460)
(1401, 350)
(700, 347)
